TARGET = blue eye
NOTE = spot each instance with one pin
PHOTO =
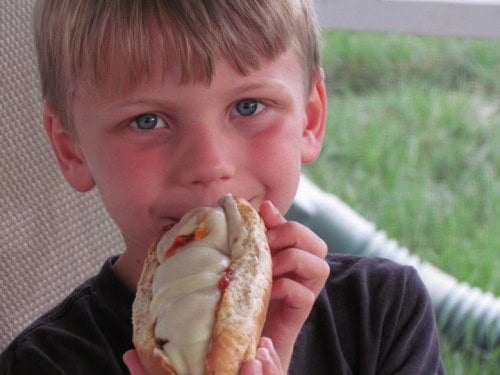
(248, 107)
(147, 121)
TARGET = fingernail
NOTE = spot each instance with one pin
(266, 342)
(274, 210)
(263, 355)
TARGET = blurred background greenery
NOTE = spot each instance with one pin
(413, 145)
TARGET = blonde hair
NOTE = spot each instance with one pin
(112, 43)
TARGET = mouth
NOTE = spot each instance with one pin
(167, 227)
(168, 223)
(255, 202)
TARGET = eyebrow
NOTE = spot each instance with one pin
(235, 91)
(268, 84)
(139, 101)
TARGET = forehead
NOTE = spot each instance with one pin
(284, 71)
(119, 55)
(124, 79)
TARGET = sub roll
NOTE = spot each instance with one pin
(203, 294)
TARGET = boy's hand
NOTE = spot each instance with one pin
(299, 274)
(267, 361)
(133, 362)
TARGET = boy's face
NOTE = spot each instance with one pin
(167, 147)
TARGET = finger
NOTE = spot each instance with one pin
(292, 302)
(251, 367)
(293, 234)
(266, 342)
(133, 362)
(268, 365)
(292, 294)
(282, 233)
(301, 266)
(266, 360)
(271, 215)
(289, 307)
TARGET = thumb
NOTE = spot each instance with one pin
(133, 363)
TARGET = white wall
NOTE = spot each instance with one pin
(468, 18)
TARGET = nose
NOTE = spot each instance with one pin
(206, 158)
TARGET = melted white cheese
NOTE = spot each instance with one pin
(185, 287)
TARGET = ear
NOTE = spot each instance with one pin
(315, 122)
(68, 152)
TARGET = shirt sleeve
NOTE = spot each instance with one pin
(373, 317)
(411, 340)
(25, 360)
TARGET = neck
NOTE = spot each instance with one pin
(128, 268)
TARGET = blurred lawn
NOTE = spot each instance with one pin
(413, 145)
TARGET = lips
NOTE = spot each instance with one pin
(165, 223)
(167, 227)
(168, 221)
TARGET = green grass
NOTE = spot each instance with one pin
(413, 145)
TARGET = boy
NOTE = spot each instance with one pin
(167, 105)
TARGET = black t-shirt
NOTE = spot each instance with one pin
(372, 317)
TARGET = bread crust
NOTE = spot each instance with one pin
(240, 314)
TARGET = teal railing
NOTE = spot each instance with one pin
(464, 314)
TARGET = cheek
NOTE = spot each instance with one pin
(125, 183)
(277, 164)
(120, 164)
